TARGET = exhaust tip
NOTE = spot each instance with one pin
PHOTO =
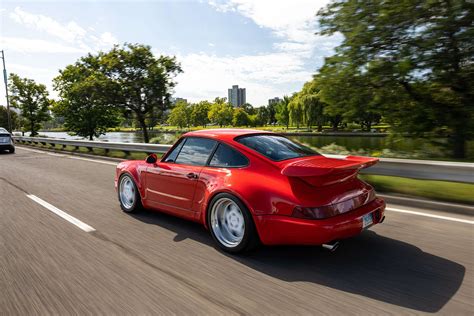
(331, 247)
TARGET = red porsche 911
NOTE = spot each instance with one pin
(250, 187)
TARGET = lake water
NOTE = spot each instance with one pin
(369, 145)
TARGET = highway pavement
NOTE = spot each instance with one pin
(67, 248)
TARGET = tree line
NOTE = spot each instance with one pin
(100, 91)
(407, 63)
(219, 112)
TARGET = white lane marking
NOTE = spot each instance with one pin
(71, 157)
(383, 196)
(62, 214)
(94, 160)
(33, 150)
(55, 155)
(447, 218)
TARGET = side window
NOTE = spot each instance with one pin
(196, 151)
(226, 156)
(172, 155)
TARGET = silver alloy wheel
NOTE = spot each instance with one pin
(127, 192)
(227, 222)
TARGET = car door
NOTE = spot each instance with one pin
(171, 183)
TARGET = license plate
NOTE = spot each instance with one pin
(367, 220)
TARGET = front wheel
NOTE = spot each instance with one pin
(129, 197)
(231, 224)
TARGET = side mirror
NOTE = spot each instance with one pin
(151, 158)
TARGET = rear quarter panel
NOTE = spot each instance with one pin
(259, 186)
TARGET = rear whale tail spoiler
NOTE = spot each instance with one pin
(321, 170)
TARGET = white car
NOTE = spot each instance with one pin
(6, 141)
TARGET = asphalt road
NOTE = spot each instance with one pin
(154, 263)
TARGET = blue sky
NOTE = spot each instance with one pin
(268, 47)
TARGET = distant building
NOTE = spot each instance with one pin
(176, 100)
(237, 96)
(274, 101)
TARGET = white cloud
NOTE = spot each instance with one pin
(39, 74)
(108, 39)
(292, 21)
(268, 74)
(207, 76)
(27, 45)
(71, 34)
(66, 41)
(291, 61)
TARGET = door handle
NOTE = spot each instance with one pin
(192, 175)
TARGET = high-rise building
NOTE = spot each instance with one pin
(237, 96)
(275, 100)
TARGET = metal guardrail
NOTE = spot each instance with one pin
(125, 147)
(417, 169)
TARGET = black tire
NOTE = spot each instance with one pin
(250, 239)
(11, 150)
(134, 206)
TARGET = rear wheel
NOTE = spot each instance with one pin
(231, 224)
(129, 197)
(11, 150)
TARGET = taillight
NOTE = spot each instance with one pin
(311, 212)
(331, 210)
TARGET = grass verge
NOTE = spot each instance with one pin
(435, 190)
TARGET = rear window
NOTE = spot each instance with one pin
(276, 147)
(226, 156)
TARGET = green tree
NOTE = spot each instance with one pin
(295, 107)
(349, 94)
(247, 107)
(180, 115)
(221, 112)
(32, 101)
(4, 118)
(282, 111)
(262, 116)
(272, 109)
(86, 98)
(312, 105)
(240, 118)
(143, 82)
(199, 113)
(419, 53)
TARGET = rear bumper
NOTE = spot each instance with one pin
(286, 230)
(6, 147)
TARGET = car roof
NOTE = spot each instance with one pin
(225, 133)
(3, 130)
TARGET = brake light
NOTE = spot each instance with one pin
(311, 212)
(331, 210)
